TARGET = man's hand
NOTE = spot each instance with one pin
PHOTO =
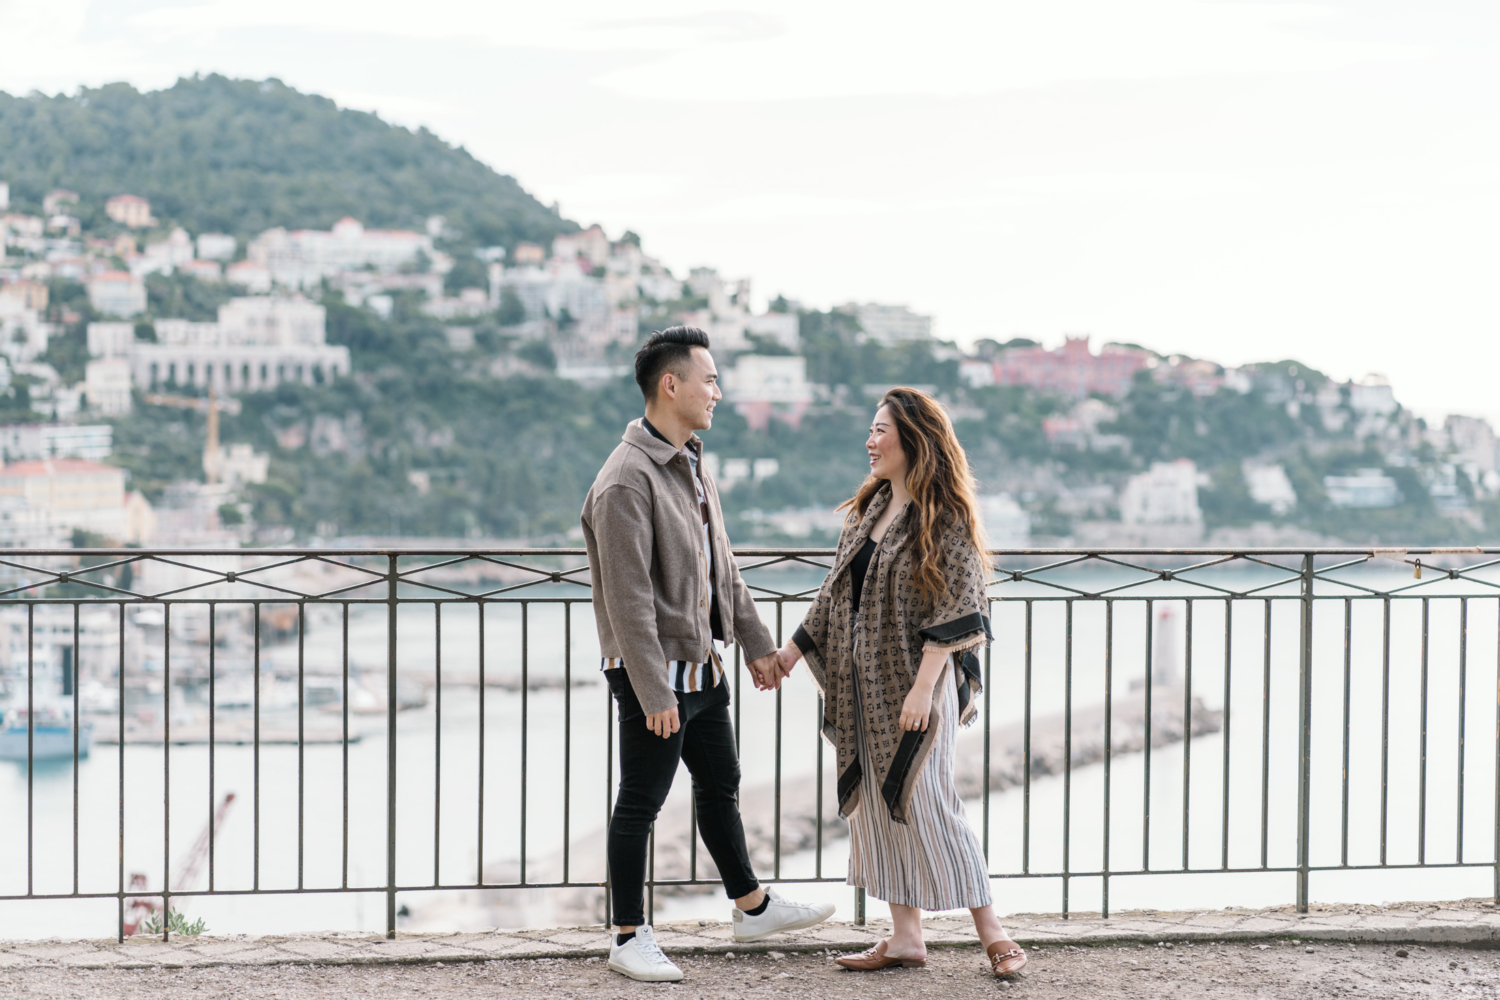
(663, 724)
(766, 671)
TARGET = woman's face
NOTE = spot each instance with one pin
(887, 459)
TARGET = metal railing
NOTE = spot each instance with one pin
(1329, 689)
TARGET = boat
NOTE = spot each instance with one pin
(50, 735)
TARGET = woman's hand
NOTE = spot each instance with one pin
(917, 709)
(788, 656)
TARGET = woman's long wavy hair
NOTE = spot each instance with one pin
(939, 480)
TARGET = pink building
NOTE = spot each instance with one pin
(1072, 370)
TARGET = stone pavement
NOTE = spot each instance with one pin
(1472, 923)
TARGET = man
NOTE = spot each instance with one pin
(667, 594)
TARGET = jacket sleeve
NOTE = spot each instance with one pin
(749, 631)
(622, 517)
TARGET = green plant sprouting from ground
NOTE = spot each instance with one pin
(176, 924)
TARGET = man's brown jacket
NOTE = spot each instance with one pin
(643, 531)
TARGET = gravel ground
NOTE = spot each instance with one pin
(1281, 969)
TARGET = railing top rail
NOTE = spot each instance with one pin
(1088, 551)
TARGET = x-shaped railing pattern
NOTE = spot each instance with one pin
(293, 575)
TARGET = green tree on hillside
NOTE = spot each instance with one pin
(242, 156)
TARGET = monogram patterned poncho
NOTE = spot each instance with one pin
(895, 621)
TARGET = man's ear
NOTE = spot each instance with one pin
(667, 386)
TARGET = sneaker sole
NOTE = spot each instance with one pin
(647, 977)
(799, 925)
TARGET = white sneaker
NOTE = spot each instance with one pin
(641, 958)
(779, 915)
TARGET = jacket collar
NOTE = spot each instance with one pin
(659, 450)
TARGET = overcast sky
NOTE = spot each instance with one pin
(1239, 181)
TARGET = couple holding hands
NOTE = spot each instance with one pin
(891, 641)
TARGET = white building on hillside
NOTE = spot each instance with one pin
(303, 257)
(1268, 484)
(1166, 494)
(780, 327)
(74, 493)
(257, 343)
(1473, 442)
(890, 324)
(1372, 395)
(250, 276)
(241, 463)
(106, 384)
(560, 292)
(23, 334)
(216, 246)
(110, 340)
(762, 386)
(25, 232)
(117, 293)
(1366, 488)
(23, 526)
(168, 254)
(19, 442)
(728, 319)
(203, 270)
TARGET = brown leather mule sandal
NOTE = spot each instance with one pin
(876, 958)
(1006, 963)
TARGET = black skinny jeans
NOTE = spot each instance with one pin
(648, 763)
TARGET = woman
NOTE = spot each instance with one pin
(890, 640)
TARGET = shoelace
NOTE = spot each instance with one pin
(651, 951)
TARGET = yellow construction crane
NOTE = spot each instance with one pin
(212, 406)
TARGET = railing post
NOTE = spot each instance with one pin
(390, 748)
(1304, 734)
(859, 905)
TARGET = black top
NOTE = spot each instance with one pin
(858, 567)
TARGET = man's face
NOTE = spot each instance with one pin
(694, 393)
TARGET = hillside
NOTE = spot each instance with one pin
(241, 156)
(429, 440)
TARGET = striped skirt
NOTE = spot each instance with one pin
(935, 861)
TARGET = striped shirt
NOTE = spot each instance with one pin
(685, 675)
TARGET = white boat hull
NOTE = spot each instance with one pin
(47, 742)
